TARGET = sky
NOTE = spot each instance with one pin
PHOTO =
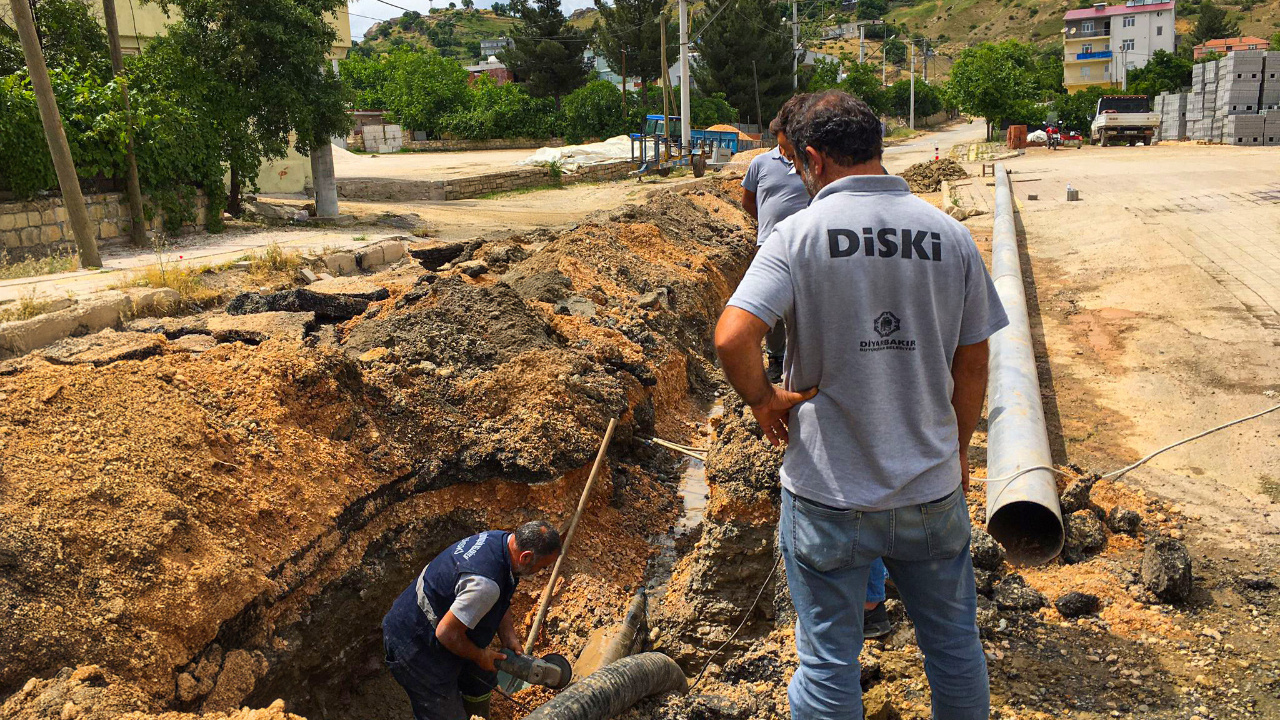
(375, 10)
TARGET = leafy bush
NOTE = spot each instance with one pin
(501, 111)
(711, 110)
(594, 110)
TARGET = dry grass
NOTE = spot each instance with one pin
(274, 260)
(25, 308)
(188, 282)
(32, 267)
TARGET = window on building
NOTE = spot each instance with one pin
(1127, 44)
(1086, 26)
(1130, 20)
(1086, 48)
(1159, 29)
(1084, 72)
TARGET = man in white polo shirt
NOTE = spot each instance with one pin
(888, 308)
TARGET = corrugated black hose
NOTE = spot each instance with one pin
(613, 690)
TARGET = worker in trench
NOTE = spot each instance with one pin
(773, 191)
(888, 307)
(438, 632)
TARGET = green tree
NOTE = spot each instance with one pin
(1076, 110)
(1164, 72)
(863, 81)
(895, 51)
(998, 81)
(872, 9)
(632, 27)
(826, 75)
(264, 72)
(367, 76)
(547, 57)
(1275, 42)
(708, 110)
(928, 99)
(750, 31)
(468, 4)
(70, 36)
(501, 9)
(1213, 23)
(422, 88)
(594, 110)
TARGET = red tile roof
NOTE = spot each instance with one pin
(1233, 41)
(1108, 11)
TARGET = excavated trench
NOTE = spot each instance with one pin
(249, 514)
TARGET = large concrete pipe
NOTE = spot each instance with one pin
(1023, 513)
(612, 691)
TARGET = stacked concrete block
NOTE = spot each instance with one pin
(1240, 77)
(383, 138)
(1173, 115)
(1243, 130)
(1271, 81)
(1271, 127)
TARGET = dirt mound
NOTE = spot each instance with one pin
(927, 177)
(227, 528)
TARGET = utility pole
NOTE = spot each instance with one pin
(137, 228)
(795, 47)
(55, 136)
(666, 83)
(686, 115)
(756, 79)
(862, 42)
(912, 45)
(624, 79)
(926, 59)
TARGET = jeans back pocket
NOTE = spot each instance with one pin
(946, 525)
(823, 538)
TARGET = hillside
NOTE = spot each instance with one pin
(953, 24)
(455, 33)
(960, 23)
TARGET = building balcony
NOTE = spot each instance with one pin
(1086, 34)
(1087, 57)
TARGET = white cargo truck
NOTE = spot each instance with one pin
(1125, 119)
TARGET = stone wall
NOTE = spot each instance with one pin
(472, 186)
(495, 144)
(38, 228)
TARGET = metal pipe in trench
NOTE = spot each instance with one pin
(614, 689)
(1023, 514)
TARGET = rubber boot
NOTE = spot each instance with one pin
(476, 706)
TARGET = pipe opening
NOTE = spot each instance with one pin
(1030, 532)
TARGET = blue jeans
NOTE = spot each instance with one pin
(829, 553)
(875, 582)
(435, 679)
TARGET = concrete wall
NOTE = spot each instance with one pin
(289, 175)
(494, 144)
(38, 228)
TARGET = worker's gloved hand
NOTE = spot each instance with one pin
(488, 658)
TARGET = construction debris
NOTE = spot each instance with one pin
(927, 177)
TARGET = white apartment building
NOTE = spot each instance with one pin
(1102, 43)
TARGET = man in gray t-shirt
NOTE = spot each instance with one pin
(771, 193)
(888, 308)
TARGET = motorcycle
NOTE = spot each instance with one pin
(1054, 136)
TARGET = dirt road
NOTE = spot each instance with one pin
(1159, 294)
